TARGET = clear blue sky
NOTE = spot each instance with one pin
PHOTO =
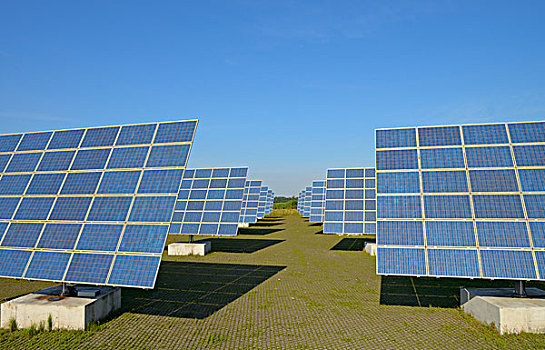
(288, 88)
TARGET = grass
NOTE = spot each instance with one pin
(280, 284)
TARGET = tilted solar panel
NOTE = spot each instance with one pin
(317, 202)
(209, 202)
(300, 203)
(350, 201)
(462, 201)
(90, 205)
(306, 204)
(262, 206)
(250, 202)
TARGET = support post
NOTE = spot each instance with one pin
(190, 238)
(520, 289)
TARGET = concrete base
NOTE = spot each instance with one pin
(497, 306)
(199, 248)
(65, 312)
(371, 248)
(243, 224)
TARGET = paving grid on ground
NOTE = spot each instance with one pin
(281, 285)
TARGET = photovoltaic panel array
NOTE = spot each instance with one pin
(301, 202)
(462, 201)
(270, 202)
(317, 201)
(306, 204)
(262, 206)
(350, 202)
(209, 202)
(92, 205)
(250, 203)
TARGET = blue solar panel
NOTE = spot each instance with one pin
(59, 236)
(23, 162)
(152, 209)
(34, 208)
(175, 132)
(396, 138)
(71, 208)
(485, 134)
(144, 238)
(110, 209)
(81, 183)
(34, 141)
(14, 184)
(160, 181)
(22, 235)
(89, 268)
(98, 137)
(91, 159)
(210, 204)
(13, 262)
(4, 159)
(317, 201)
(453, 262)
(401, 261)
(349, 206)
(128, 157)
(485, 217)
(8, 143)
(134, 271)
(100, 237)
(397, 159)
(527, 132)
(76, 201)
(66, 139)
(8, 206)
(56, 161)
(119, 182)
(48, 266)
(136, 134)
(45, 184)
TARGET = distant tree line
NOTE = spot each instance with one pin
(285, 202)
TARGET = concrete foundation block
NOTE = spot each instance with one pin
(243, 224)
(199, 248)
(66, 312)
(371, 248)
(508, 314)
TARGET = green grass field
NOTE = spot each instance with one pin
(280, 284)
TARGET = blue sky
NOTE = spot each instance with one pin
(288, 88)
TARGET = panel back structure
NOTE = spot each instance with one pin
(250, 203)
(262, 202)
(209, 202)
(90, 206)
(306, 205)
(350, 202)
(317, 201)
(462, 201)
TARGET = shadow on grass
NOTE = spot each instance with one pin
(196, 290)
(352, 244)
(257, 231)
(266, 224)
(436, 292)
(321, 232)
(272, 219)
(316, 224)
(240, 245)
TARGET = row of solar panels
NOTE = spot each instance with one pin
(95, 205)
(345, 202)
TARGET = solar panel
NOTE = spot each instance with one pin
(209, 202)
(317, 201)
(270, 200)
(350, 201)
(250, 203)
(90, 205)
(262, 205)
(306, 203)
(462, 201)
